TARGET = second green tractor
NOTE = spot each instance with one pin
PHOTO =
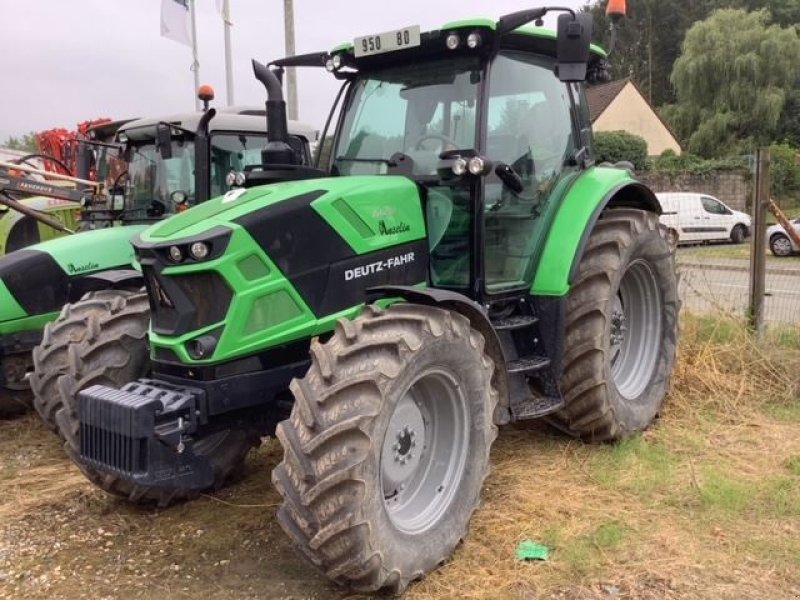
(459, 263)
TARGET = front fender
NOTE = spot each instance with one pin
(592, 192)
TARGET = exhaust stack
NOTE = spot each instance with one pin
(278, 150)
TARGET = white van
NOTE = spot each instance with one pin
(691, 217)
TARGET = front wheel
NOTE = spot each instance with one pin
(780, 245)
(387, 446)
(621, 329)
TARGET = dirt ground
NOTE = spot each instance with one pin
(704, 505)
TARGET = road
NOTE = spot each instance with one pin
(724, 287)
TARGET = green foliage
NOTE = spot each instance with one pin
(26, 143)
(614, 146)
(785, 170)
(732, 81)
(669, 162)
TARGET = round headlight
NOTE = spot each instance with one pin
(452, 41)
(459, 167)
(329, 65)
(240, 178)
(175, 254)
(474, 40)
(230, 178)
(199, 250)
(337, 61)
(476, 165)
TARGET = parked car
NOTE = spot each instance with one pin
(691, 217)
(779, 242)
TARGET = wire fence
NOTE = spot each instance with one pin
(717, 254)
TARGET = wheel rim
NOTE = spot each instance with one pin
(424, 452)
(636, 328)
(781, 245)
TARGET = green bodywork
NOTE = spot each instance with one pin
(266, 310)
(63, 210)
(80, 255)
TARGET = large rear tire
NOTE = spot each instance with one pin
(387, 446)
(112, 350)
(621, 329)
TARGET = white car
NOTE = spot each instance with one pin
(779, 242)
(691, 217)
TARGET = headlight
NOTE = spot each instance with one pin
(476, 165)
(199, 250)
(175, 254)
(459, 166)
(474, 40)
(452, 41)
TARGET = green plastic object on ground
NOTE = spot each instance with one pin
(529, 550)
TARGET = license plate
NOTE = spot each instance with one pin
(400, 39)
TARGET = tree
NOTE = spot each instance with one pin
(649, 40)
(615, 146)
(26, 143)
(732, 82)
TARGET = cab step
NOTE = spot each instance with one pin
(536, 407)
(515, 322)
(528, 365)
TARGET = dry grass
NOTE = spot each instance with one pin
(703, 505)
(706, 504)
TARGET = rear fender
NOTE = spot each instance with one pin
(594, 191)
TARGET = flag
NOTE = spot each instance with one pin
(175, 21)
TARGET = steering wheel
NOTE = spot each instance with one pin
(434, 136)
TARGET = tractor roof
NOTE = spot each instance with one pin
(527, 37)
(232, 118)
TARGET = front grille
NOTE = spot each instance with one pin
(184, 303)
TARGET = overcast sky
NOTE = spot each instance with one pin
(66, 61)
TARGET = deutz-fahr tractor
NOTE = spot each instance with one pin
(459, 263)
(53, 291)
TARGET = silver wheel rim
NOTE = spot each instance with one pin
(424, 452)
(636, 330)
(782, 246)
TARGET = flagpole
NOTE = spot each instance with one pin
(291, 76)
(226, 17)
(195, 62)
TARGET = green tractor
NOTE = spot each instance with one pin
(52, 291)
(460, 263)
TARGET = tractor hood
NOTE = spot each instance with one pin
(268, 265)
(359, 208)
(40, 279)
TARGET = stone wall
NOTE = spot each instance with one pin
(732, 187)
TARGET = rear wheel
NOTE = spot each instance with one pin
(780, 245)
(621, 329)
(738, 233)
(387, 446)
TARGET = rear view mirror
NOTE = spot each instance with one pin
(164, 140)
(572, 51)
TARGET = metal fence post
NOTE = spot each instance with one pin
(758, 255)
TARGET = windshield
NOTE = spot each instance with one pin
(154, 179)
(410, 112)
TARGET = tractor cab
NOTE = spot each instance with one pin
(170, 164)
(488, 118)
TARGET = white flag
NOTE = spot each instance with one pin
(175, 23)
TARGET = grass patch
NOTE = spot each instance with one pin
(586, 553)
(720, 491)
(635, 465)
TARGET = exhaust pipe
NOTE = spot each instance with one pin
(278, 150)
